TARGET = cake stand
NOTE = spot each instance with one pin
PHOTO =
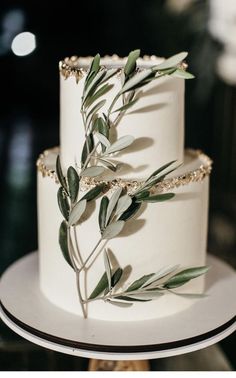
(27, 312)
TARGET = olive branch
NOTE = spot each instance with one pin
(115, 211)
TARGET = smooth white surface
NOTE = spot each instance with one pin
(156, 121)
(162, 235)
(21, 296)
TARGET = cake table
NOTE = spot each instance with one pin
(27, 312)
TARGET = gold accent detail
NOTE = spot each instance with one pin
(131, 186)
(72, 66)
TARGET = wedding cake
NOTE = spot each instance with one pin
(122, 213)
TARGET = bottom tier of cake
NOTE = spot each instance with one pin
(161, 235)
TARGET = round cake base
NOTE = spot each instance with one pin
(27, 312)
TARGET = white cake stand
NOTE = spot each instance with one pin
(27, 312)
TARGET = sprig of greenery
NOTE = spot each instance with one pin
(115, 211)
(145, 288)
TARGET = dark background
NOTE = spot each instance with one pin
(29, 120)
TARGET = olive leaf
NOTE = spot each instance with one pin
(93, 171)
(123, 204)
(131, 211)
(162, 273)
(109, 165)
(100, 92)
(107, 268)
(142, 194)
(60, 175)
(116, 277)
(87, 148)
(131, 299)
(95, 108)
(102, 139)
(184, 276)
(159, 170)
(131, 62)
(113, 230)
(94, 68)
(119, 303)
(103, 284)
(93, 85)
(94, 192)
(77, 212)
(73, 183)
(183, 74)
(126, 106)
(139, 282)
(156, 198)
(172, 61)
(63, 242)
(111, 72)
(135, 80)
(112, 203)
(63, 203)
(120, 144)
(103, 212)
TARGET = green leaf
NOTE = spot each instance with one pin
(95, 108)
(142, 194)
(109, 165)
(73, 183)
(102, 127)
(123, 204)
(103, 140)
(116, 277)
(63, 203)
(93, 85)
(183, 74)
(112, 203)
(60, 175)
(172, 61)
(131, 62)
(111, 72)
(147, 295)
(138, 78)
(103, 284)
(140, 282)
(100, 92)
(159, 170)
(63, 242)
(77, 212)
(93, 171)
(107, 268)
(93, 70)
(87, 148)
(113, 230)
(120, 303)
(120, 144)
(160, 275)
(131, 211)
(103, 212)
(184, 276)
(131, 299)
(157, 198)
(126, 106)
(94, 192)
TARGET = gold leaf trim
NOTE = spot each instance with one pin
(74, 65)
(131, 186)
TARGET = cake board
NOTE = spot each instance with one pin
(27, 312)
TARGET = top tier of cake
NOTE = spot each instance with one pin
(156, 120)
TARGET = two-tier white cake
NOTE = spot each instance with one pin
(162, 234)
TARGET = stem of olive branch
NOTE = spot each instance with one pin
(91, 254)
(77, 273)
(111, 295)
